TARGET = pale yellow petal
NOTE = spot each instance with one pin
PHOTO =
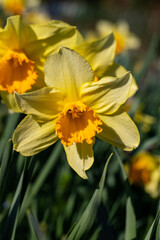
(57, 28)
(80, 157)
(67, 71)
(119, 130)
(104, 27)
(133, 42)
(50, 37)
(43, 104)
(16, 34)
(116, 70)
(106, 95)
(31, 137)
(122, 26)
(99, 53)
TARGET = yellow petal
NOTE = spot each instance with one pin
(106, 95)
(67, 71)
(43, 104)
(116, 70)
(50, 37)
(119, 130)
(31, 137)
(56, 27)
(16, 34)
(99, 53)
(80, 157)
(104, 27)
(133, 42)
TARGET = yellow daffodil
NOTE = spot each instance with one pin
(23, 51)
(124, 38)
(25, 56)
(144, 170)
(74, 108)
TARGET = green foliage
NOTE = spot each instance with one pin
(90, 213)
(154, 231)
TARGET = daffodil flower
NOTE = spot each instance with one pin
(124, 38)
(74, 108)
(144, 170)
(23, 52)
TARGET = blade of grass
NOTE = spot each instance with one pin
(130, 226)
(89, 215)
(158, 230)
(6, 159)
(152, 231)
(124, 174)
(11, 222)
(34, 225)
(33, 189)
(130, 230)
(9, 128)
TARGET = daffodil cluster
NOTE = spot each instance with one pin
(70, 89)
(22, 59)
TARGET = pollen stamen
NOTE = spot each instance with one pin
(16, 72)
(77, 123)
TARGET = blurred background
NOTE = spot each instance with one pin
(62, 196)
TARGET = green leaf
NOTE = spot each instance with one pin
(158, 230)
(11, 222)
(6, 159)
(124, 174)
(34, 225)
(9, 128)
(87, 219)
(130, 229)
(95, 235)
(33, 189)
(152, 231)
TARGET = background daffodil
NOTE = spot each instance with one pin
(23, 51)
(124, 38)
(144, 170)
(75, 109)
